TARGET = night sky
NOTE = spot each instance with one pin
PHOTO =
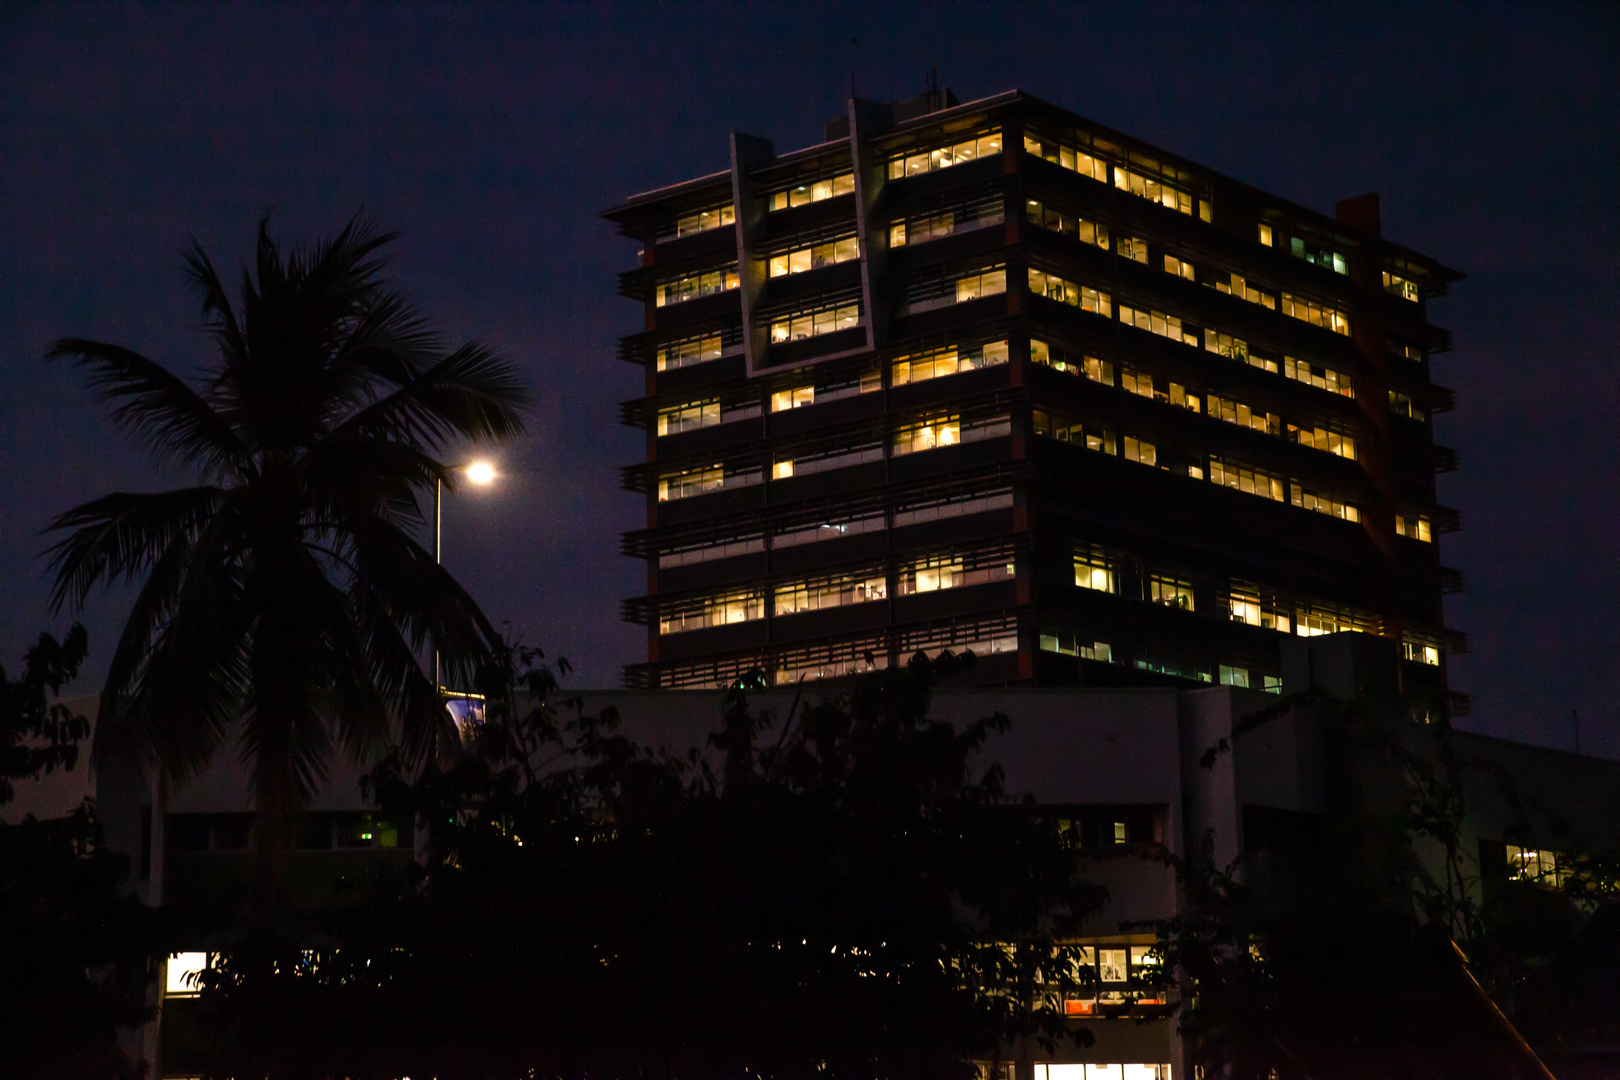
(491, 137)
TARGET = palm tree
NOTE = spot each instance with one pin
(285, 602)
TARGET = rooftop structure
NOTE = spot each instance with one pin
(990, 375)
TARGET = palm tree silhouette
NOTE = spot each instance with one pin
(285, 602)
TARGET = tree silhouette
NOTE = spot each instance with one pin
(283, 600)
(842, 893)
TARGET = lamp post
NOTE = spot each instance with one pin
(481, 473)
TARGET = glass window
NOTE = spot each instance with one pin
(829, 592)
(793, 398)
(947, 361)
(1316, 314)
(1244, 479)
(696, 414)
(813, 191)
(1066, 156)
(1170, 591)
(1153, 190)
(1320, 256)
(704, 220)
(1157, 322)
(1421, 651)
(1131, 248)
(1179, 267)
(809, 324)
(1401, 287)
(1094, 570)
(692, 351)
(1265, 234)
(1236, 412)
(1322, 439)
(923, 161)
(693, 286)
(1335, 382)
(815, 257)
(180, 977)
(1323, 504)
(718, 610)
(1067, 292)
(941, 431)
(1414, 527)
(1111, 963)
(1071, 225)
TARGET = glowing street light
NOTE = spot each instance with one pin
(481, 473)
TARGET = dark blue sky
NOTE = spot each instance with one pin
(492, 136)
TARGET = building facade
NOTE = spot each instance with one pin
(992, 376)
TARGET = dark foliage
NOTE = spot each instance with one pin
(38, 736)
(73, 947)
(1364, 942)
(834, 893)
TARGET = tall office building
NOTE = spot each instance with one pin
(993, 376)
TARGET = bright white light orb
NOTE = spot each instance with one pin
(481, 472)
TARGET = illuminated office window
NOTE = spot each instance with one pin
(1128, 247)
(830, 592)
(947, 361)
(1320, 256)
(1237, 285)
(1070, 225)
(1414, 527)
(704, 220)
(719, 610)
(1156, 322)
(1421, 651)
(688, 417)
(815, 257)
(681, 354)
(1322, 439)
(1316, 314)
(1153, 190)
(694, 286)
(1179, 267)
(1323, 504)
(1335, 382)
(812, 323)
(1247, 480)
(1067, 292)
(1170, 591)
(814, 191)
(1236, 412)
(1093, 569)
(1401, 287)
(943, 157)
(793, 398)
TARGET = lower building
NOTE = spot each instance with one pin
(1123, 766)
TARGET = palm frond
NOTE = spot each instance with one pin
(156, 406)
(122, 535)
(216, 304)
(471, 395)
(193, 682)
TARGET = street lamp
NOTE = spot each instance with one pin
(481, 473)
